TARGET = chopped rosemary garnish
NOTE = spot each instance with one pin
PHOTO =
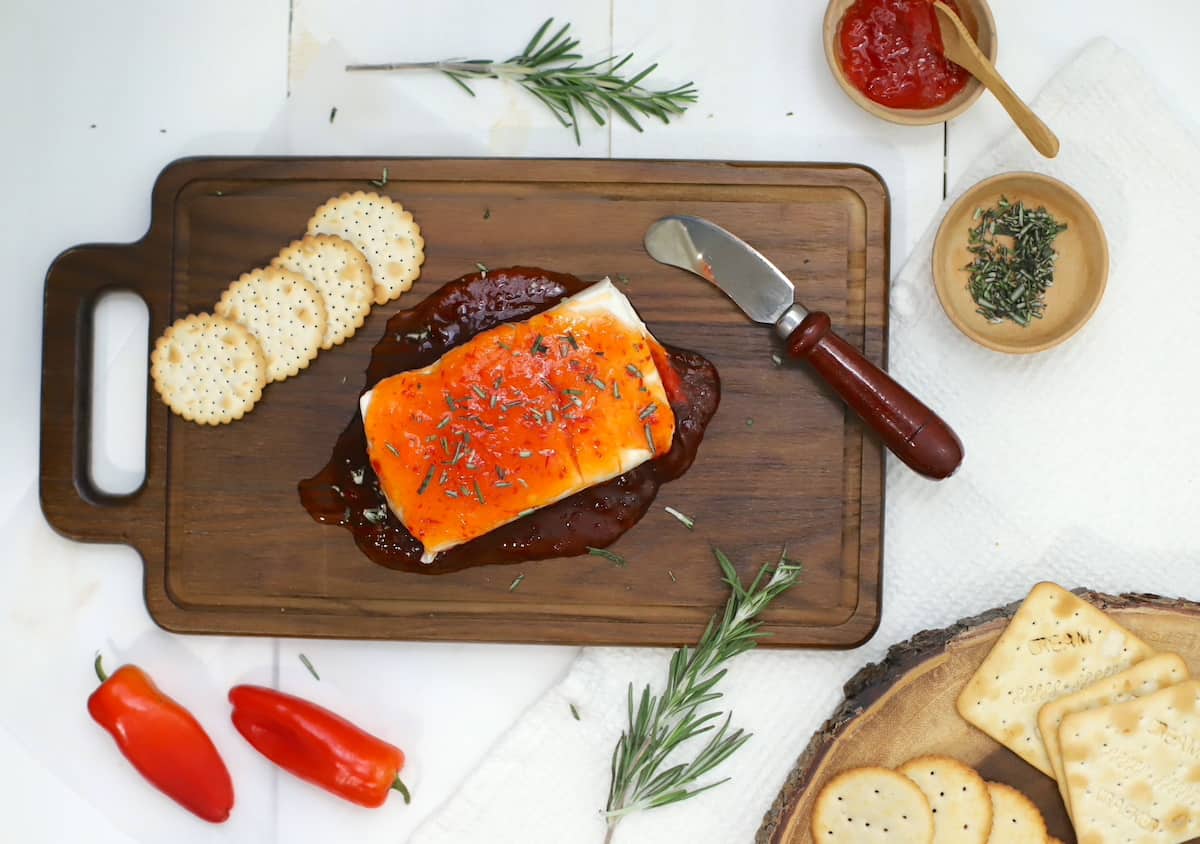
(512, 405)
(650, 438)
(417, 336)
(574, 712)
(450, 402)
(522, 482)
(482, 269)
(549, 415)
(538, 347)
(502, 484)
(450, 493)
(504, 345)
(648, 411)
(446, 446)
(776, 358)
(672, 575)
(498, 382)
(571, 339)
(523, 453)
(493, 400)
(633, 370)
(305, 661)
(551, 71)
(392, 449)
(623, 279)
(465, 490)
(332, 113)
(487, 213)
(660, 725)
(381, 182)
(428, 480)
(687, 521)
(616, 389)
(375, 515)
(516, 582)
(570, 391)
(479, 493)
(1011, 283)
(597, 383)
(442, 478)
(546, 383)
(479, 391)
(613, 557)
(445, 421)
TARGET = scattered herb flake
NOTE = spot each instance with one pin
(623, 279)
(450, 493)
(524, 454)
(512, 405)
(571, 339)
(425, 483)
(445, 421)
(516, 582)
(381, 182)
(650, 438)
(597, 383)
(672, 575)
(332, 113)
(482, 269)
(687, 521)
(450, 402)
(502, 484)
(356, 475)
(633, 370)
(375, 515)
(648, 411)
(776, 359)
(616, 389)
(487, 213)
(574, 712)
(479, 493)
(613, 557)
(538, 347)
(305, 660)
(392, 449)
(479, 391)
(749, 422)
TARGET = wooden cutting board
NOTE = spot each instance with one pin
(904, 707)
(228, 547)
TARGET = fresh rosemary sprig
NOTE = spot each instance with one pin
(551, 71)
(660, 724)
(1011, 283)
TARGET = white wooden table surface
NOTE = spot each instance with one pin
(97, 98)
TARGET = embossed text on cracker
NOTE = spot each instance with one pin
(1059, 642)
(1038, 692)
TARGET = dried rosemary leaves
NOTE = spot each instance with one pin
(1010, 282)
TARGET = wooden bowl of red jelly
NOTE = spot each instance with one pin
(887, 56)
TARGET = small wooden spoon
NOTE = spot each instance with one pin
(960, 48)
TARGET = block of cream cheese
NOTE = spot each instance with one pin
(518, 418)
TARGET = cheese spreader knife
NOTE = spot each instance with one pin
(912, 431)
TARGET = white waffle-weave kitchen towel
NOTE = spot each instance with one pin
(1081, 467)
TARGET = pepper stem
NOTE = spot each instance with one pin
(403, 789)
(100, 672)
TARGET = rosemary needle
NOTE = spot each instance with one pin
(660, 724)
(550, 70)
(308, 664)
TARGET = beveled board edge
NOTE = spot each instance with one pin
(75, 509)
(873, 680)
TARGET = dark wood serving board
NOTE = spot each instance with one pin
(228, 547)
(904, 707)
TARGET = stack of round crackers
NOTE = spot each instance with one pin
(360, 249)
(927, 800)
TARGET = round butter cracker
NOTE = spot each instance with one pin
(283, 311)
(869, 805)
(208, 369)
(342, 275)
(1015, 819)
(383, 231)
(958, 796)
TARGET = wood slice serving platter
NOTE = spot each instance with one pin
(229, 549)
(904, 707)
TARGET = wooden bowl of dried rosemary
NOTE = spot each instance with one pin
(1020, 262)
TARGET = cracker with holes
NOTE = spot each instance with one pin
(341, 274)
(283, 311)
(1145, 678)
(957, 795)
(383, 231)
(208, 369)
(872, 805)
(1055, 645)
(1015, 819)
(1133, 769)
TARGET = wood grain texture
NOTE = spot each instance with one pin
(227, 546)
(904, 707)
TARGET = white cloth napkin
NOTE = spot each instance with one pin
(1081, 467)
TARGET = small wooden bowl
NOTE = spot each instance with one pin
(1080, 274)
(976, 15)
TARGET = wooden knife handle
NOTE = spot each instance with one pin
(912, 431)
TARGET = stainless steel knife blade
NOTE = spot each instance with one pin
(736, 267)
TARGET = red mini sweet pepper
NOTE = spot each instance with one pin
(318, 746)
(163, 740)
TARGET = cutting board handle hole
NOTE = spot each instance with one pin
(120, 367)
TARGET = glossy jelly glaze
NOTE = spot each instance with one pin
(347, 493)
